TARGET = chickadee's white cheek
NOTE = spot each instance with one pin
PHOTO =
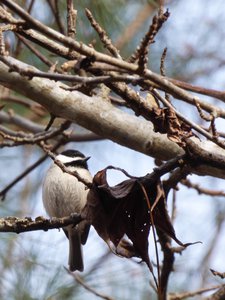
(65, 159)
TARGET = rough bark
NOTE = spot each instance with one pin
(104, 119)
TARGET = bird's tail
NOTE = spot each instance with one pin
(75, 250)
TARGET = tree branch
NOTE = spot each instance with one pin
(17, 225)
(87, 287)
(93, 113)
(104, 119)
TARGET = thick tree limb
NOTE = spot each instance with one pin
(93, 113)
(102, 118)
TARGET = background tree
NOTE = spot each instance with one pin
(62, 66)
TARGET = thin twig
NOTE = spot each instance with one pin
(175, 177)
(18, 45)
(50, 123)
(33, 49)
(218, 295)
(168, 261)
(14, 133)
(17, 225)
(2, 43)
(202, 190)
(29, 169)
(30, 6)
(186, 120)
(78, 279)
(180, 296)
(103, 35)
(35, 107)
(161, 7)
(201, 113)
(71, 19)
(215, 133)
(162, 69)
(132, 29)
(142, 51)
(33, 139)
(174, 207)
(54, 5)
(199, 89)
(70, 78)
(158, 284)
(162, 62)
(65, 169)
(33, 127)
(216, 273)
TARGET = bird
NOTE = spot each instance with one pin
(63, 194)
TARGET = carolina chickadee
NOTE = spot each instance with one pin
(63, 194)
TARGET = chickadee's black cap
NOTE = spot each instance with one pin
(73, 153)
(75, 159)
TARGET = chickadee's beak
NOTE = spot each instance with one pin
(86, 158)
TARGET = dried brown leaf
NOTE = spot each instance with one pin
(122, 210)
(166, 121)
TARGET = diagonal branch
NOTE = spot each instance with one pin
(92, 113)
(87, 287)
(99, 116)
(90, 52)
(103, 35)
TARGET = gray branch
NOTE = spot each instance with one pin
(102, 118)
(18, 225)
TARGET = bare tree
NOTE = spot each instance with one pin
(113, 98)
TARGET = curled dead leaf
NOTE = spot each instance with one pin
(166, 121)
(123, 211)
